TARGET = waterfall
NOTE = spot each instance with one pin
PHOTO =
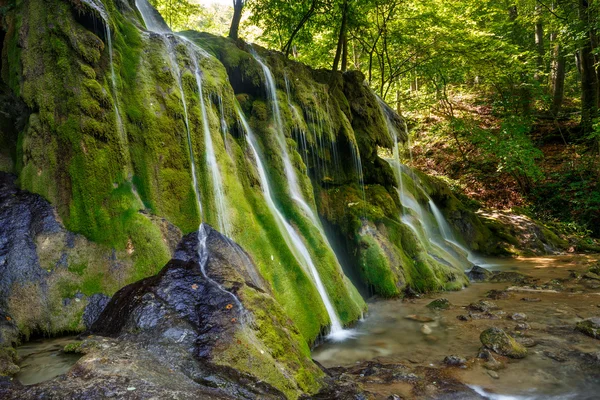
(152, 22)
(99, 7)
(290, 174)
(423, 225)
(291, 237)
(211, 160)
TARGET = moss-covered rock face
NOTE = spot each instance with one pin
(113, 153)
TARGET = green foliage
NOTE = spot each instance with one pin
(512, 148)
(179, 14)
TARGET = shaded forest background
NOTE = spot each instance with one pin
(501, 97)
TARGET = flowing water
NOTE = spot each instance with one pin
(44, 359)
(152, 22)
(211, 161)
(291, 237)
(556, 368)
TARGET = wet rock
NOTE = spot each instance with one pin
(23, 216)
(518, 317)
(454, 361)
(464, 317)
(493, 374)
(483, 306)
(486, 315)
(498, 341)
(96, 304)
(591, 276)
(498, 295)
(556, 356)
(510, 277)
(522, 326)
(526, 341)
(479, 274)
(8, 361)
(590, 327)
(491, 362)
(531, 299)
(419, 318)
(439, 304)
(426, 329)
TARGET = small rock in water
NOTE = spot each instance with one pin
(493, 374)
(590, 327)
(463, 317)
(439, 304)
(478, 274)
(591, 276)
(394, 397)
(419, 318)
(556, 356)
(498, 295)
(523, 326)
(454, 361)
(426, 329)
(483, 306)
(531, 299)
(498, 341)
(527, 342)
(518, 317)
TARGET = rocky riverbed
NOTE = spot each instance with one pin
(527, 330)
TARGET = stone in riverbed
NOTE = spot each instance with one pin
(499, 342)
(510, 276)
(454, 361)
(483, 306)
(493, 374)
(522, 326)
(590, 327)
(419, 318)
(531, 299)
(591, 276)
(498, 295)
(518, 317)
(439, 304)
(479, 274)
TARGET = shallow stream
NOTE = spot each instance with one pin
(44, 359)
(407, 332)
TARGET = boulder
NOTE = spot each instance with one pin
(483, 306)
(478, 274)
(590, 327)
(454, 361)
(200, 328)
(96, 304)
(498, 341)
(439, 304)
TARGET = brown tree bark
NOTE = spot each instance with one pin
(589, 76)
(559, 63)
(238, 6)
(342, 36)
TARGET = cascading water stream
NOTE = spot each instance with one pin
(152, 22)
(293, 240)
(427, 234)
(211, 160)
(290, 174)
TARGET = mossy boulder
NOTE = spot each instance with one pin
(590, 327)
(8, 361)
(439, 304)
(500, 342)
(215, 306)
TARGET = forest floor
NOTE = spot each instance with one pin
(566, 197)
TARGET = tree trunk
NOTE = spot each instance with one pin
(345, 54)
(341, 37)
(559, 62)
(539, 42)
(288, 46)
(589, 77)
(238, 6)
